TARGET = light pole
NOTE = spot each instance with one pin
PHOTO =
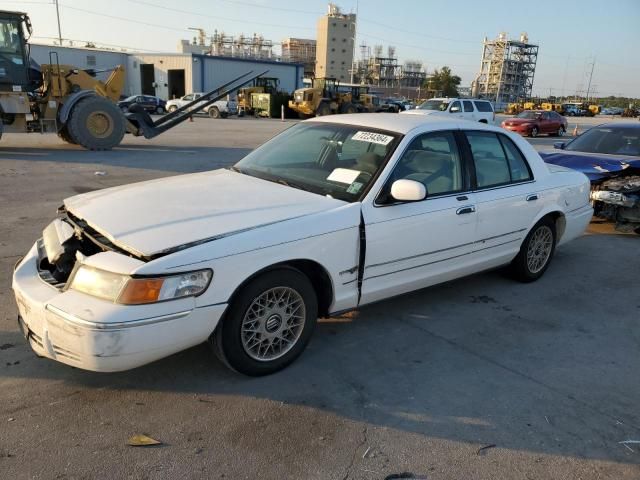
(58, 17)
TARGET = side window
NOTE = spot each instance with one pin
(433, 160)
(188, 98)
(483, 106)
(468, 106)
(492, 167)
(455, 107)
(520, 171)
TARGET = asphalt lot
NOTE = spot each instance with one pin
(544, 375)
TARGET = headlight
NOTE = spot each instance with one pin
(135, 291)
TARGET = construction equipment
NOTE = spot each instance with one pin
(322, 98)
(261, 85)
(514, 108)
(369, 102)
(595, 109)
(552, 107)
(53, 97)
(70, 101)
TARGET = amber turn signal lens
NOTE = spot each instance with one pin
(141, 290)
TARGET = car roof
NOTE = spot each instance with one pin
(399, 123)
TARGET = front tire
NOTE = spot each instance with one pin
(536, 252)
(96, 123)
(534, 132)
(172, 109)
(214, 112)
(268, 323)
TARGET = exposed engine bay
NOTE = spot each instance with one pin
(618, 199)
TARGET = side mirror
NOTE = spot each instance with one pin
(559, 145)
(454, 110)
(405, 190)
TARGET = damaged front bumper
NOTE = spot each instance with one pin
(618, 199)
(94, 334)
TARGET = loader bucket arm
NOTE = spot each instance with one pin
(144, 125)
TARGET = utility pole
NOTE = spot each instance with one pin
(59, 30)
(593, 64)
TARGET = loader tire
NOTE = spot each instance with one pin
(96, 123)
(64, 135)
(323, 109)
(348, 108)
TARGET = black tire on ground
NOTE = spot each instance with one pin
(323, 109)
(348, 108)
(64, 135)
(214, 112)
(224, 114)
(561, 131)
(534, 132)
(159, 110)
(172, 109)
(96, 123)
(536, 251)
(232, 347)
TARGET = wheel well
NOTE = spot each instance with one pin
(316, 274)
(560, 221)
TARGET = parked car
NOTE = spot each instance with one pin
(333, 213)
(150, 103)
(468, 109)
(219, 109)
(392, 105)
(609, 155)
(574, 111)
(534, 122)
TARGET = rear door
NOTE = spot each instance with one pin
(507, 199)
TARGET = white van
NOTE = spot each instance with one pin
(466, 108)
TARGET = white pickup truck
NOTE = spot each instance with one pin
(219, 109)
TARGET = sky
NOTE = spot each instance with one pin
(571, 34)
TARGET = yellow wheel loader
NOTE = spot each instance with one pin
(322, 98)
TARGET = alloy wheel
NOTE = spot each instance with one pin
(539, 249)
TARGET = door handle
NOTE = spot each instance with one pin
(466, 209)
(531, 197)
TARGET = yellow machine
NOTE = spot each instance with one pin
(595, 109)
(552, 107)
(370, 102)
(322, 98)
(529, 106)
(53, 97)
(261, 86)
(514, 108)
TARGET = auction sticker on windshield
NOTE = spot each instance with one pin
(372, 137)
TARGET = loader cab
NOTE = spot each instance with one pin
(14, 55)
(328, 86)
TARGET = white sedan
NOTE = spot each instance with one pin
(333, 213)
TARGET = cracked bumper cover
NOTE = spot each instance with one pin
(93, 334)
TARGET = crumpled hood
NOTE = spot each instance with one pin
(151, 217)
(596, 166)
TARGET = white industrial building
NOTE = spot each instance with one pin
(170, 75)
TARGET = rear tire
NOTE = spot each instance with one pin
(172, 109)
(536, 252)
(561, 131)
(214, 112)
(268, 323)
(534, 132)
(159, 110)
(96, 123)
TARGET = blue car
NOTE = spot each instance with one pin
(609, 155)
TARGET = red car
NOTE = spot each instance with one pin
(535, 122)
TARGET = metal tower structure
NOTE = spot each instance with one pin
(507, 70)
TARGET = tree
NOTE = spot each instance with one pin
(444, 82)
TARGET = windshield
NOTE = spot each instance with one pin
(12, 68)
(439, 105)
(529, 115)
(339, 161)
(618, 141)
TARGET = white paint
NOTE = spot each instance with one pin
(258, 224)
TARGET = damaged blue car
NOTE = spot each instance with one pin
(609, 155)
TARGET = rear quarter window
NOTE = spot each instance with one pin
(484, 106)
